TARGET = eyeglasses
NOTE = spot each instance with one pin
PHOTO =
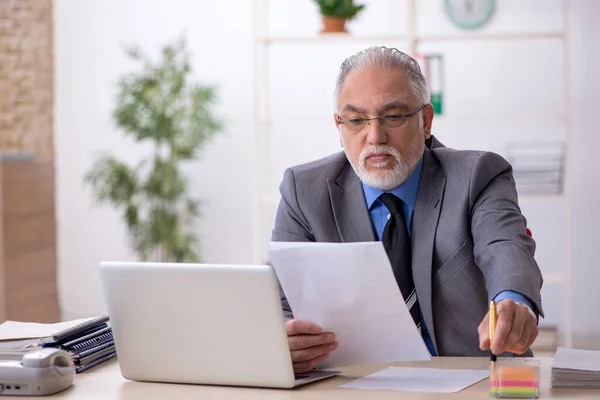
(396, 120)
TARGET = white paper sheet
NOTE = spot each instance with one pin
(430, 380)
(18, 344)
(14, 330)
(583, 360)
(349, 289)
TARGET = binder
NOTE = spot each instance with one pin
(85, 328)
(94, 356)
(92, 350)
(92, 343)
(90, 336)
(79, 369)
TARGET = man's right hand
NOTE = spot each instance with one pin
(309, 346)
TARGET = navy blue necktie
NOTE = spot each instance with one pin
(396, 242)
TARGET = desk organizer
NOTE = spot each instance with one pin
(515, 378)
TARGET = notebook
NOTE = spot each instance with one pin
(19, 330)
(85, 329)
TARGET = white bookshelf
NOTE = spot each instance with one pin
(266, 199)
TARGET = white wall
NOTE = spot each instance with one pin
(497, 91)
(89, 36)
(585, 131)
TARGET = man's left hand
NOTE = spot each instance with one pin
(516, 329)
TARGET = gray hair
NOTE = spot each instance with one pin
(385, 57)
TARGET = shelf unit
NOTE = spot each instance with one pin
(262, 131)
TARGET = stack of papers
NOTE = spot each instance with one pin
(573, 368)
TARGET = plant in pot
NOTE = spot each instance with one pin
(335, 13)
(162, 108)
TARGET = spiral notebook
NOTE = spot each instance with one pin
(85, 329)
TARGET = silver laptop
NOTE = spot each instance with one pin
(200, 324)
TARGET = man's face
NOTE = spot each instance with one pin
(382, 156)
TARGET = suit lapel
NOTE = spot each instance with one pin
(350, 208)
(425, 220)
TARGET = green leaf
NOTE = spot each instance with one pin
(193, 207)
(132, 216)
(165, 181)
(112, 181)
(183, 249)
(339, 8)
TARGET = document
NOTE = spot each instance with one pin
(349, 289)
(12, 345)
(15, 330)
(419, 380)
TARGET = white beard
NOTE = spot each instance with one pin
(383, 175)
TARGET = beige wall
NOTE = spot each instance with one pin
(26, 77)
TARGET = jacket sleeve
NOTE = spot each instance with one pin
(290, 225)
(503, 250)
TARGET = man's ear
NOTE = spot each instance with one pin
(337, 126)
(427, 120)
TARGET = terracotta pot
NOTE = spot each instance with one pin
(333, 24)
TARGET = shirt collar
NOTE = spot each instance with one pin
(407, 191)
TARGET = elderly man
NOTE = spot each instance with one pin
(448, 219)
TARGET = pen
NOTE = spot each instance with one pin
(492, 329)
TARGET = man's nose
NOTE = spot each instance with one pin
(375, 132)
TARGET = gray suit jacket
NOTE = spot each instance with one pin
(469, 239)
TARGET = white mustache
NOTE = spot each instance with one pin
(378, 150)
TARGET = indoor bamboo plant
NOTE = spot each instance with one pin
(335, 13)
(162, 107)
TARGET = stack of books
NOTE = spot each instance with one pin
(89, 343)
(574, 368)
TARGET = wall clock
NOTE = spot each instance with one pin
(469, 14)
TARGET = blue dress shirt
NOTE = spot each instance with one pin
(407, 192)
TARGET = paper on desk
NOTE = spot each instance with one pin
(14, 330)
(349, 289)
(18, 344)
(583, 360)
(419, 380)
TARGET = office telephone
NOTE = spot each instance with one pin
(35, 372)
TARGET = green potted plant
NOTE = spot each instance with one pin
(162, 107)
(335, 13)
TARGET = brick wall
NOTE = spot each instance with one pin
(26, 77)
(28, 286)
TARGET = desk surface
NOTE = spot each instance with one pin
(105, 382)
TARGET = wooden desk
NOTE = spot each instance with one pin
(105, 382)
